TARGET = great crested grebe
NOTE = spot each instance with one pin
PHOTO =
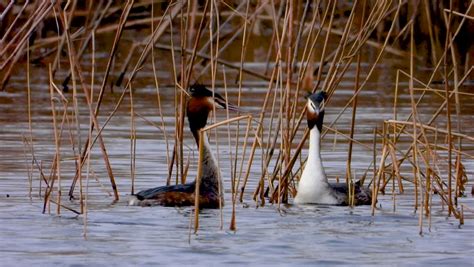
(313, 187)
(198, 108)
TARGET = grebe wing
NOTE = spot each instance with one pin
(363, 195)
(339, 187)
(157, 191)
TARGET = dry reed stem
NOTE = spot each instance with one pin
(369, 74)
(158, 32)
(198, 180)
(425, 126)
(434, 116)
(84, 207)
(231, 156)
(160, 111)
(202, 134)
(18, 16)
(30, 127)
(57, 171)
(213, 64)
(76, 70)
(113, 51)
(354, 103)
(34, 20)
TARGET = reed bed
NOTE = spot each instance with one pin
(311, 46)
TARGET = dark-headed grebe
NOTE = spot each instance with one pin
(313, 187)
(198, 108)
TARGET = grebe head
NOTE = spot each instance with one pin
(199, 90)
(315, 109)
(201, 104)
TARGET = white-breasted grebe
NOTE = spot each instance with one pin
(313, 187)
(199, 106)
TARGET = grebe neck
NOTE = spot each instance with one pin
(210, 171)
(314, 161)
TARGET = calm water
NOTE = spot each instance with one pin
(122, 235)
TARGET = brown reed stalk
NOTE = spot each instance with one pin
(56, 168)
(374, 157)
(245, 39)
(431, 128)
(57, 171)
(447, 101)
(448, 45)
(215, 37)
(306, 70)
(396, 135)
(174, 155)
(186, 73)
(371, 69)
(395, 173)
(435, 71)
(30, 127)
(202, 132)
(180, 106)
(433, 35)
(84, 203)
(258, 131)
(126, 63)
(354, 103)
(23, 34)
(428, 192)
(133, 142)
(62, 40)
(153, 38)
(160, 111)
(118, 35)
(236, 186)
(458, 113)
(286, 93)
(323, 61)
(198, 180)
(213, 64)
(333, 67)
(415, 168)
(28, 167)
(131, 23)
(231, 156)
(18, 16)
(256, 140)
(221, 61)
(283, 126)
(377, 177)
(423, 127)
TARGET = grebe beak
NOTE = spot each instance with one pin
(313, 107)
(220, 101)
